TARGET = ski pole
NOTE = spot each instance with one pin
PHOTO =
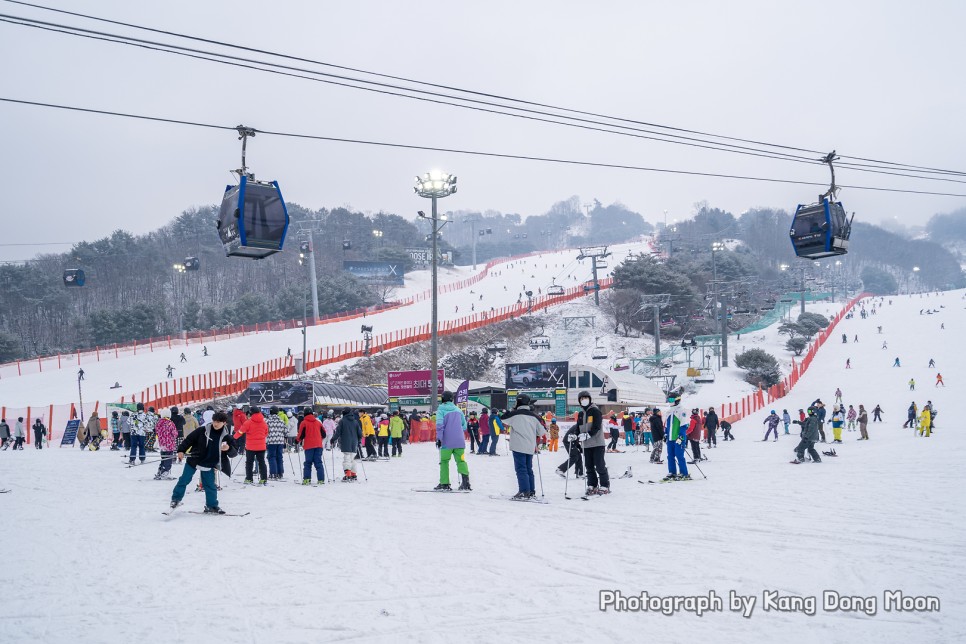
(695, 463)
(540, 473)
(362, 462)
(292, 463)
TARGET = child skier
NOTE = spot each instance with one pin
(850, 418)
(575, 454)
(838, 419)
(614, 430)
(526, 428)
(786, 420)
(554, 432)
(115, 425)
(450, 425)
(772, 419)
(204, 447)
(39, 432)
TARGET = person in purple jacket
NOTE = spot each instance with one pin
(450, 425)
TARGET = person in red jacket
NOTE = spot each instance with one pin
(238, 418)
(694, 435)
(312, 436)
(255, 429)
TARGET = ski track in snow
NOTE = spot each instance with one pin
(91, 558)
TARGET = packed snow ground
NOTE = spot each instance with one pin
(135, 372)
(90, 558)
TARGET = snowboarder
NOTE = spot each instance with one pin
(451, 443)
(786, 420)
(676, 440)
(726, 427)
(312, 436)
(876, 413)
(590, 421)
(772, 419)
(656, 423)
(93, 440)
(810, 433)
(39, 432)
(711, 424)
(184, 358)
(206, 444)
(863, 423)
(526, 428)
(939, 380)
(856, 338)
(845, 339)
(348, 434)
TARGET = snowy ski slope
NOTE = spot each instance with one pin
(135, 372)
(90, 558)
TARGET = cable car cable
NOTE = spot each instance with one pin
(132, 41)
(498, 155)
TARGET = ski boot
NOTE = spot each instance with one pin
(531, 494)
(248, 482)
(601, 491)
(263, 482)
(521, 496)
(591, 491)
(670, 477)
(214, 510)
(175, 504)
(306, 481)
(684, 477)
(465, 482)
(562, 475)
(443, 487)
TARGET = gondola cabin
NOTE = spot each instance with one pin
(74, 277)
(820, 230)
(192, 264)
(253, 219)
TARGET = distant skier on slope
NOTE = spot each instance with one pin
(876, 414)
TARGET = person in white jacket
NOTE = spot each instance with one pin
(526, 429)
(19, 433)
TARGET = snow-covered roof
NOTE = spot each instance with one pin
(632, 389)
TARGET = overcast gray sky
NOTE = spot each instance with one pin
(872, 79)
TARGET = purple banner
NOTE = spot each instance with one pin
(412, 383)
(463, 393)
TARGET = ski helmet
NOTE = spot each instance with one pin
(582, 395)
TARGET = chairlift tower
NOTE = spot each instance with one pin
(655, 302)
(594, 254)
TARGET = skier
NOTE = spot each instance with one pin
(18, 434)
(590, 421)
(856, 339)
(80, 374)
(170, 371)
(496, 428)
(255, 430)
(911, 416)
(574, 454)
(312, 435)
(939, 380)
(694, 435)
(368, 435)
(772, 419)
(183, 357)
(912, 384)
(932, 363)
(382, 436)
(885, 345)
(838, 397)
(863, 423)
(848, 363)
(726, 426)
(845, 339)
(348, 434)
(4, 434)
(786, 420)
(275, 443)
(167, 433)
(206, 445)
(925, 422)
(396, 428)
(614, 429)
(39, 432)
(473, 429)
(896, 363)
(329, 425)
(810, 432)
(451, 443)
(711, 424)
(526, 428)
(876, 413)
(850, 419)
(676, 464)
(627, 422)
(838, 419)
(204, 353)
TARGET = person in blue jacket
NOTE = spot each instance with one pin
(496, 428)
(675, 431)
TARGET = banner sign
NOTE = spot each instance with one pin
(420, 256)
(292, 393)
(536, 375)
(70, 432)
(413, 383)
(463, 393)
(383, 272)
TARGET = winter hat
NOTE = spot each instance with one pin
(273, 410)
(346, 411)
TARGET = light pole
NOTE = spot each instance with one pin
(915, 276)
(434, 185)
(307, 256)
(718, 309)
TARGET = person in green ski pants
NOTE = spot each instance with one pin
(450, 425)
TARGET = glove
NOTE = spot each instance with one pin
(439, 444)
(583, 436)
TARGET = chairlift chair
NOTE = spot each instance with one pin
(554, 288)
(540, 342)
(74, 277)
(599, 352)
(192, 264)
